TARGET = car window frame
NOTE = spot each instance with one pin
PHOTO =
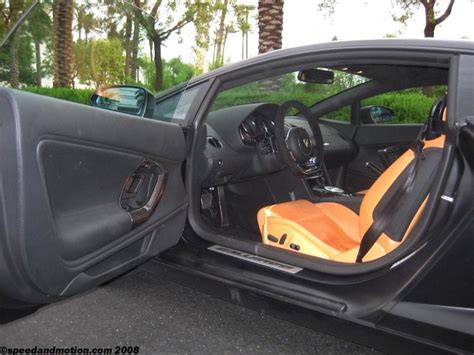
(196, 102)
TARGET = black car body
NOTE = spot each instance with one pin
(72, 216)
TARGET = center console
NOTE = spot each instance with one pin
(323, 191)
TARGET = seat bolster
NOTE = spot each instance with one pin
(382, 184)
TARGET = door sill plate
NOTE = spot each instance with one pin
(255, 259)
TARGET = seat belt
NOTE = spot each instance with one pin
(384, 217)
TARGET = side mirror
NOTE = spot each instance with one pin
(316, 76)
(376, 114)
(133, 100)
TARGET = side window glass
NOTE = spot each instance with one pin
(400, 107)
(342, 114)
(176, 107)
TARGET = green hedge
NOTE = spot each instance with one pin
(81, 96)
(245, 95)
(409, 106)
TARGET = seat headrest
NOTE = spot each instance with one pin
(435, 123)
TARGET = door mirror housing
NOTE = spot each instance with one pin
(376, 114)
(133, 100)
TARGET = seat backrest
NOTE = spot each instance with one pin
(382, 189)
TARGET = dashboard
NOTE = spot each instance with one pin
(240, 143)
(256, 127)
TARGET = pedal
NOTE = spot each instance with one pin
(206, 200)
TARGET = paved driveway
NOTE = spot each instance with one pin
(142, 309)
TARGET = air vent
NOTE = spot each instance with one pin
(214, 142)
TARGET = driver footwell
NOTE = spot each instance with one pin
(233, 208)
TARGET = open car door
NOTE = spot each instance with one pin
(85, 195)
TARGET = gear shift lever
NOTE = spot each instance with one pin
(334, 189)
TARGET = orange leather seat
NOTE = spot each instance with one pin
(331, 230)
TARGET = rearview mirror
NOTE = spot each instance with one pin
(316, 76)
(133, 100)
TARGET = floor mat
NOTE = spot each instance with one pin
(141, 309)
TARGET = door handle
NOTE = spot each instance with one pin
(142, 191)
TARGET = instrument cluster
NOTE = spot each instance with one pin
(256, 128)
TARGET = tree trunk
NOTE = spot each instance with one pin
(39, 73)
(214, 55)
(270, 28)
(429, 33)
(135, 43)
(62, 42)
(246, 45)
(223, 47)
(14, 72)
(247, 36)
(158, 64)
(270, 25)
(429, 30)
(150, 47)
(220, 34)
(127, 45)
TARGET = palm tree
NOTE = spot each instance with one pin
(80, 13)
(222, 6)
(9, 14)
(242, 13)
(205, 11)
(90, 24)
(39, 28)
(62, 42)
(270, 25)
(14, 70)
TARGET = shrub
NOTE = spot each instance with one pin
(80, 96)
(409, 107)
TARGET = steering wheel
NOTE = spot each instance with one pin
(294, 144)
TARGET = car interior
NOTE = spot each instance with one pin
(283, 164)
(334, 181)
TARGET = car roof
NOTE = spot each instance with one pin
(432, 45)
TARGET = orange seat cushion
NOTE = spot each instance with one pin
(321, 221)
(330, 230)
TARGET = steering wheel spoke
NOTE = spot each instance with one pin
(295, 145)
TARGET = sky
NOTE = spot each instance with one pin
(303, 24)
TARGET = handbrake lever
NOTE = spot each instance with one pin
(377, 170)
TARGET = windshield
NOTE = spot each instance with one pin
(282, 88)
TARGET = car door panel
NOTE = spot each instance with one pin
(64, 227)
(371, 138)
